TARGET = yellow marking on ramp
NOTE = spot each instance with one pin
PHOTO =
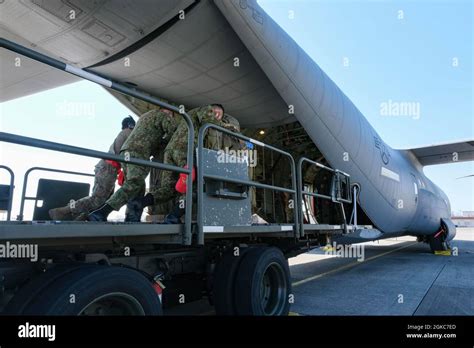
(303, 281)
(443, 252)
(293, 314)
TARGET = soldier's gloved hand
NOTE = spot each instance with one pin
(181, 186)
(120, 177)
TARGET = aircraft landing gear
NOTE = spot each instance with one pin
(438, 241)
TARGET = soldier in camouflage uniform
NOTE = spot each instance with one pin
(151, 134)
(104, 181)
(176, 152)
(216, 140)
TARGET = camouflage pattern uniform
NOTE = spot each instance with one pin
(104, 181)
(176, 151)
(152, 132)
(216, 140)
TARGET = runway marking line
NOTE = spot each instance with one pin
(306, 280)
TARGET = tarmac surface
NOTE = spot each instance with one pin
(396, 277)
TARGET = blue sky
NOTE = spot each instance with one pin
(407, 59)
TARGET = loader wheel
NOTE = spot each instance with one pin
(95, 291)
(224, 282)
(34, 286)
(263, 283)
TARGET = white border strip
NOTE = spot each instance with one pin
(88, 76)
(287, 228)
(213, 229)
(389, 174)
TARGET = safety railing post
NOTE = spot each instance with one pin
(25, 184)
(10, 193)
(334, 195)
(300, 195)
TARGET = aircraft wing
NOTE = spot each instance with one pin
(182, 51)
(21, 76)
(82, 33)
(460, 151)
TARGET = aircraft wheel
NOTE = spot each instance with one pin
(438, 241)
(438, 245)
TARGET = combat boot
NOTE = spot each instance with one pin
(101, 213)
(81, 217)
(175, 216)
(134, 211)
(63, 213)
(135, 207)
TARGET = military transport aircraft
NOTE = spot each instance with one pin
(188, 51)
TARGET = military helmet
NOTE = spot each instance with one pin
(128, 122)
(219, 106)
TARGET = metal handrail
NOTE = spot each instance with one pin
(38, 143)
(302, 193)
(109, 83)
(10, 193)
(25, 185)
(339, 198)
(201, 175)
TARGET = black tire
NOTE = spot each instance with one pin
(34, 286)
(97, 290)
(438, 244)
(224, 282)
(438, 241)
(263, 283)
